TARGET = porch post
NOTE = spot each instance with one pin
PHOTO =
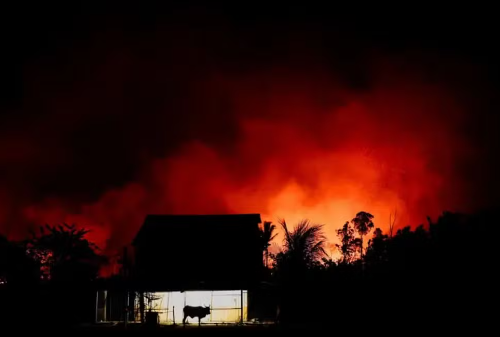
(241, 306)
(127, 307)
(142, 306)
(96, 304)
(105, 306)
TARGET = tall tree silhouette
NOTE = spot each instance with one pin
(65, 254)
(267, 235)
(363, 224)
(349, 244)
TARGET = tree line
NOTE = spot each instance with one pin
(47, 278)
(56, 254)
(438, 272)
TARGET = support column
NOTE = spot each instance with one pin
(105, 305)
(142, 306)
(241, 306)
(127, 307)
(96, 304)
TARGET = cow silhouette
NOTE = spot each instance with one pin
(192, 312)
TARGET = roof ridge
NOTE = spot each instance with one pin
(160, 222)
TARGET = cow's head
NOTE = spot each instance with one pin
(207, 310)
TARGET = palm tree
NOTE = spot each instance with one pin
(267, 235)
(302, 252)
(304, 245)
(363, 224)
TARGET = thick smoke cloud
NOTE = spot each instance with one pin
(180, 119)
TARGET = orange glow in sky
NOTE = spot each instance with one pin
(303, 149)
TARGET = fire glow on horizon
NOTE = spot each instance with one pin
(276, 141)
(295, 160)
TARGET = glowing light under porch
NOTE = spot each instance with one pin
(225, 305)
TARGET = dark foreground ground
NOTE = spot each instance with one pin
(138, 330)
(335, 327)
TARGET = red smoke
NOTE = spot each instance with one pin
(304, 148)
(175, 121)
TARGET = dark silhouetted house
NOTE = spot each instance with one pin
(197, 260)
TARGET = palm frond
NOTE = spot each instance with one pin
(305, 243)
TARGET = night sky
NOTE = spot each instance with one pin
(111, 112)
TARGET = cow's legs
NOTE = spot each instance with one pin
(184, 320)
(199, 321)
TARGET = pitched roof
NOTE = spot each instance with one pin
(170, 225)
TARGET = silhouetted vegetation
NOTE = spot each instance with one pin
(16, 267)
(349, 244)
(49, 276)
(438, 273)
(267, 236)
(303, 246)
(433, 274)
(64, 254)
(363, 224)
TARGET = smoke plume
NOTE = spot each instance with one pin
(186, 120)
